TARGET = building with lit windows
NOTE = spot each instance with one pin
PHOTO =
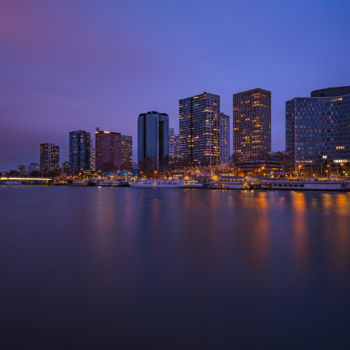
(225, 138)
(171, 146)
(174, 148)
(126, 152)
(199, 130)
(79, 151)
(108, 150)
(153, 140)
(22, 170)
(49, 159)
(92, 157)
(252, 125)
(177, 159)
(318, 128)
(65, 170)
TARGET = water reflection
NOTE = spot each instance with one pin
(299, 229)
(327, 199)
(261, 231)
(130, 260)
(338, 233)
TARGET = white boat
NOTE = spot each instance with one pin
(166, 184)
(298, 185)
(10, 183)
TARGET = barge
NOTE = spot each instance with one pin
(302, 185)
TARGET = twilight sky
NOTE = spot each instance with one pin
(70, 64)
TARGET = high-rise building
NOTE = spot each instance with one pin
(177, 149)
(79, 151)
(153, 140)
(33, 168)
(108, 150)
(171, 146)
(199, 124)
(126, 152)
(49, 159)
(225, 138)
(66, 168)
(22, 170)
(318, 128)
(92, 157)
(252, 125)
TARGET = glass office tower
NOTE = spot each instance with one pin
(318, 128)
(79, 151)
(199, 130)
(153, 140)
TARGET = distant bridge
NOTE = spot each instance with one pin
(27, 179)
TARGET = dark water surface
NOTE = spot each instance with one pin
(100, 268)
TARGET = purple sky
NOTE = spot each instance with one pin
(69, 64)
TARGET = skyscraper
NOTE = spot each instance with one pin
(252, 124)
(225, 138)
(108, 150)
(126, 152)
(177, 146)
(171, 146)
(318, 128)
(49, 159)
(33, 168)
(79, 151)
(199, 124)
(66, 168)
(92, 157)
(153, 140)
(22, 170)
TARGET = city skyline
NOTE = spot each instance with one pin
(250, 98)
(89, 71)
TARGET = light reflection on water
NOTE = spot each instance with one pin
(198, 264)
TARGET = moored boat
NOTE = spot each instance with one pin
(231, 185)
(123, 184)
(109, 183)
(300, 185)
(79, 182)
(10, 182)
(166, 184)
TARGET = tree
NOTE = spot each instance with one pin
(13, 173)
(35, 174)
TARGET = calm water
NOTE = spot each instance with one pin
(142, 268)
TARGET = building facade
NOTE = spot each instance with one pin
(177, 149)
(252, 125)
(92, 157)
(126, 152)
(66, 169)
(108, 150)
(49, 159)
(199, 130)
(318, 128)
(33, 168)
(22, 170)
(79, 151)
(225, 138)
(171, 146)
(153, 140)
